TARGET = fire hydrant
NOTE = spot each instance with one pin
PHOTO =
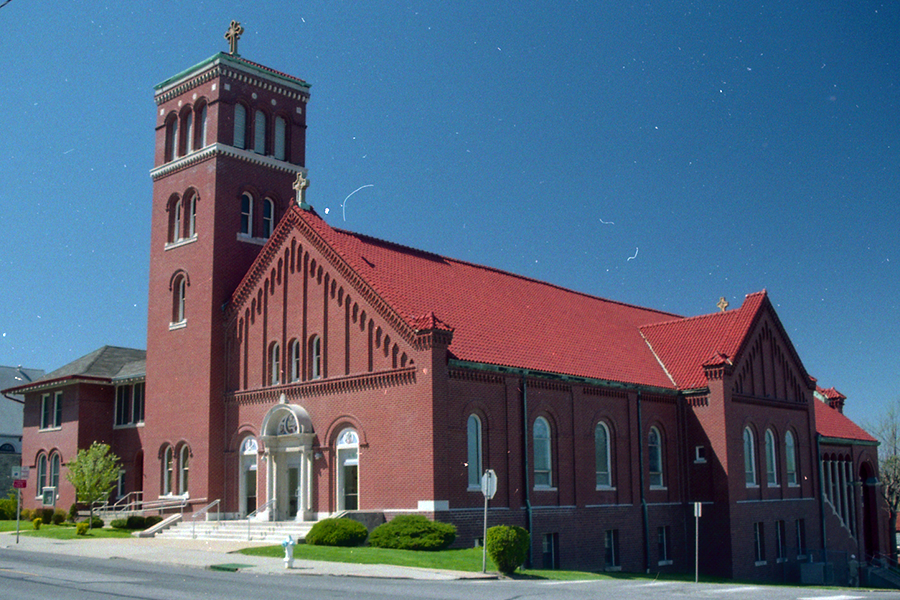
(288, 545)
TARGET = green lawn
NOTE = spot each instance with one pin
(62, 532)
(468, 559)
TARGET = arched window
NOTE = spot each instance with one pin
(280, 138)
(790, 457)
(655, 457)
(171, 137)
(274, 364)
(7, 448)
(179, 290)
(296, 359)
(602, 456)
(200, 139)
(54, 470)
(175, 221)
(41, 473)
(315, 357)
(191, 216)
(268, 217)
(749, 457)
(168, 471)
(259, 132)
(187, 132)
(473, 455)
(240, 126)
(246, 214)
(184, 456)
(771, 462)
(543, 456)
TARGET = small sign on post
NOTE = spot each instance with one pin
(488, 488)
(19, 484)
(698, 508)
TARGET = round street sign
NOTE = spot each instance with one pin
(489, 484)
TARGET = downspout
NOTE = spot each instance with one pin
(645, 518)
(528, 516)
(821, 493)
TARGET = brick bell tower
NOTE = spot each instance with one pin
(230, 141)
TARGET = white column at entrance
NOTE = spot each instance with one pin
(308, 463)
(301, 500)
(270, 483)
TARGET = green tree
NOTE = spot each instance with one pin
(887, 431)
(93, 473)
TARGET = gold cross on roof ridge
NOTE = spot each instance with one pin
(233, 35)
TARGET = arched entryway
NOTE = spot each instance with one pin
(287, 436)
(348, 470)
(249, 475)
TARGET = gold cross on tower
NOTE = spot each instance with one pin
(233, 35)
(722, 303)
(300, 185)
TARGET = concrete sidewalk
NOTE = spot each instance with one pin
(211, 554)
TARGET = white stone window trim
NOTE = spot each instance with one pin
(179, 325)
(180, 243)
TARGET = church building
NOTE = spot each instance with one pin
(297, 371)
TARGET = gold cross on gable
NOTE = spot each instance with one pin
(233, 35)
(722, 303)
(300, 185)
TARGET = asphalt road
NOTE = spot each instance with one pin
(25, 575)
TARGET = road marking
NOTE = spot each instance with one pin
(838, 597)
(750, 588)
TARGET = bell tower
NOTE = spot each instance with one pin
(230, 142)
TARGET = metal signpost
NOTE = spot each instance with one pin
(488, 488)
(20, 479)
(697, 510)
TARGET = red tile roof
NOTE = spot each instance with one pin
(504, 319)
(686, 345)
(832, 424)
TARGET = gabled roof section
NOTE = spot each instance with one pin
(687, 345)
(104, 364)
(496, 318)
(832, 424)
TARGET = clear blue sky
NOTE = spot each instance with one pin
(727, 147)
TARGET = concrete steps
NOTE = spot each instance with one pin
(238, 531)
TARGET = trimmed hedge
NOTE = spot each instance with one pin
(151, 521)
(507, 546)
(413, 532)
(59, 517)
(81, 528)
(337, 532)
(136, 522)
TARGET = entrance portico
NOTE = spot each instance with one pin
(287, 435)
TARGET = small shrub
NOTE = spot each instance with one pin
(135, 522)
(46, 515)
(507, 546)
(151, 521)
(119, 523)
(337, 532)
(26, 514)
(37, 523)
(8, 507)
(73, 512)
(97, 523)
(81, 528)
(413, 532)
(59, 517)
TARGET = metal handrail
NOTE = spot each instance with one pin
(202, 512)
(268, 503)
